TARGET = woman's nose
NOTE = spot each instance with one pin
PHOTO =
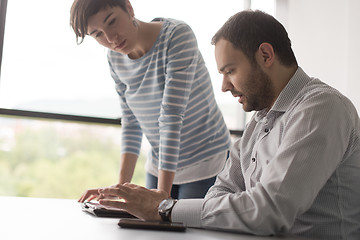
(110, 37)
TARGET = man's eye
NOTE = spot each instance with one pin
(228, 72)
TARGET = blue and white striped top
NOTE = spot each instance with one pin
(167, 95)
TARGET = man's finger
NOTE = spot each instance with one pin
(130, 185)
(112, 203)
(83, 198)
(119, 192)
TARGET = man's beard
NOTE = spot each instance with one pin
(259, 91)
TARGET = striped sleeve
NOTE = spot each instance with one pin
(181, 69)
(131, 131)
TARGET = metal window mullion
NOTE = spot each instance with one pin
(3, 6)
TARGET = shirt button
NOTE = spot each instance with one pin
(253, 159)
(267, 130)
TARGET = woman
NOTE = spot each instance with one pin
(165, 93)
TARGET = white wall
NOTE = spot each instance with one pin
(326, 40)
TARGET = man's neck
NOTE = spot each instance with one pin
(280, 78)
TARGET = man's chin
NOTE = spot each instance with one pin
(246, 107)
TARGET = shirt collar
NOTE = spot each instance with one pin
(288, 94)
(292, 88)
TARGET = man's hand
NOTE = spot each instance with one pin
(90, 195)
(139, 201)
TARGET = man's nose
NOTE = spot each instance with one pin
(226, 85)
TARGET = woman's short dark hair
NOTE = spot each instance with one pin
(82, 10)
(247, 30)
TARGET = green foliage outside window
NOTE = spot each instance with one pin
(58, 159)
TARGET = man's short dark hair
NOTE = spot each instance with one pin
(82, 10)
(247, 30)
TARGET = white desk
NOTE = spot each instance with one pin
(40, 218)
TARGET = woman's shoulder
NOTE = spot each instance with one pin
(113, 55)
(170, 21)
(172, 26)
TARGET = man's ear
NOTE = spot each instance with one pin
(265, 54)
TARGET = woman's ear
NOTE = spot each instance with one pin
(265, 54)
(130, 9)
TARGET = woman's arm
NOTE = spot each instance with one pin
(127, 167)
(165, 180)
(182, 57)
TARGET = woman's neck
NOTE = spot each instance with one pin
(147, 35)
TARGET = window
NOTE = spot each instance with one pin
(43, 70)
(59, 159)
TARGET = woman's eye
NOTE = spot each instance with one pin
(98, 34)
(112, 21)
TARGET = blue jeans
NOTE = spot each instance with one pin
(188, 190)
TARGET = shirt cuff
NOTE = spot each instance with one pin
(188, 211)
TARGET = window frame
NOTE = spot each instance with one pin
(3, 7)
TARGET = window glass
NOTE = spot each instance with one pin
(59, 159)
(44, 70)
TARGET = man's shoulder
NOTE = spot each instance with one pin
(318, 98)
(318, 92)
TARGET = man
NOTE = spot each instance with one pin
(296, 168)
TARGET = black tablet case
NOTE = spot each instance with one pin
(101, 211)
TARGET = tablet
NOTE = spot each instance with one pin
(152, 225)
(99, 210)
